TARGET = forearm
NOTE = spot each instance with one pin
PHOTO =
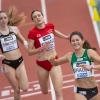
(25, 44)
(59, 61)
(34, 51)
(59, 34)
(96, 67)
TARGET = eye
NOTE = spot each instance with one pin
(5, 17)
(72, 40)
(39, 15)
(34, 17)
(1, 18)
(77, 39)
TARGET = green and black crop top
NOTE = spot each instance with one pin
(77, 61)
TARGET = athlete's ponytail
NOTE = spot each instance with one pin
(86, 44)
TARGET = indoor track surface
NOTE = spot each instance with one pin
(67, 16)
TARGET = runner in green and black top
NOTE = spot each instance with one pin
(82, 62)
(79, 71)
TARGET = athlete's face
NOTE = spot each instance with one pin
(37, 18)
(77, 42)
(3, 19)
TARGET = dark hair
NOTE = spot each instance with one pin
(86, 44)
(34, 12)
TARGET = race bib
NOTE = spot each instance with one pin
(9, 43)
(48, 39)
(81, 72)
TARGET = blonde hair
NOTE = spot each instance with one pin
(15, 18)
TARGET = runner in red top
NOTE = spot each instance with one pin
(42, 43)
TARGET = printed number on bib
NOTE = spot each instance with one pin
(9, 43)
(48, 39)
(81, 72)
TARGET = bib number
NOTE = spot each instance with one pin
(48, 39)
(81, 72)
(9, 43)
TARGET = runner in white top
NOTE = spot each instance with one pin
(13, 63)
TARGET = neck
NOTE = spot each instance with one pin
(3, 28)
(41, 25)
(79, 52)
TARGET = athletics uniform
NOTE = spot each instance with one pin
(40, 37)
(9, 43)
(80, 73)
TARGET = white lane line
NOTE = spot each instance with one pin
(0, 4)
(43, 7)
(64, 76)
(39, 92)
(35, 88)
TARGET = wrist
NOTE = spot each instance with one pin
(25, 43)
(67, 37)
(40, 49)
(92, 66)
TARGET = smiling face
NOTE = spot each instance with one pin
(37, 18)
(77, 42)
(3, 19)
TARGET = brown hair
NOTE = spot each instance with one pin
(34, 12)
(86, 44)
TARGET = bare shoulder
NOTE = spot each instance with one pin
(15, 29)
(91, 51)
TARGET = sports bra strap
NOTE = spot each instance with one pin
(10, 30)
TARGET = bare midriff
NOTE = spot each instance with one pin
(46, 55)
(13, 55)
(88, 82)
